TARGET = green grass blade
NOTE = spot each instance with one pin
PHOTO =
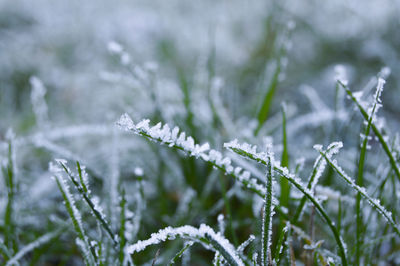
(35, 244)
(267, 102)
(377, 132)
(213, 157)
(4, 251)
(318, 168)
(75, 217)
(9, 180)
(228, 210)
(204, 235)
(98, 214)
(360, 176)
(285, 188)
(375, 203)
(180, 253)
(283, 172)
(81, 178)
(268, 213)
(122, 239)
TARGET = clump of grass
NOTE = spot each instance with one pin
(161, 197)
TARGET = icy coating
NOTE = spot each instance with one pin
(190, 233)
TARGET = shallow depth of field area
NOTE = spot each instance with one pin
(199, 132)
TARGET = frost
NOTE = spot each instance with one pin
(221, 224)
(114, 47)
(242, 246)
(138, 171)
(330, 194)
(376, 104)
(341, 74)
(358, 95)
(317, 147)
(385, 72)
(164, 135)
(125, 122)
(55, 168)
(268, 212)
(320, 163)
(379, 89)
(184, 202)
(38, 101)
(194, 234)
(31, 246)
(374, 202)
(97, 207)
(85, 176)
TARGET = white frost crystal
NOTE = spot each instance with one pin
(190, 233)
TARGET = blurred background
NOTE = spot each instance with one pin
(65, 45)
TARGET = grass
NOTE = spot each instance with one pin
(115, 244)
(218, 174)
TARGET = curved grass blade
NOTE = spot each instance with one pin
(76, 219)
(204, 235)
(249, 152)
(98, 214)
(186, 144)
(318, 169)
(375, 203)
(35, 244)
(180, 253)
(377, 132)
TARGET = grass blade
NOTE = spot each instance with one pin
(375, 203)
(376, 130)
(96, 209)
(180, 253)
(360, 175)
(35, 244)
(76, 219)
(9, 176)
(186, 144)
(244, 151)
(267, 102)
(204, 235)
(268, 213)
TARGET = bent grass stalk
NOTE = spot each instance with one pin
(204, 235)
(33, 245)
(87, 197)
(170, 138)
(76, 220)
(377, 132)
(375, 203)
(318, 169)
(283, 172)
(180, 253)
